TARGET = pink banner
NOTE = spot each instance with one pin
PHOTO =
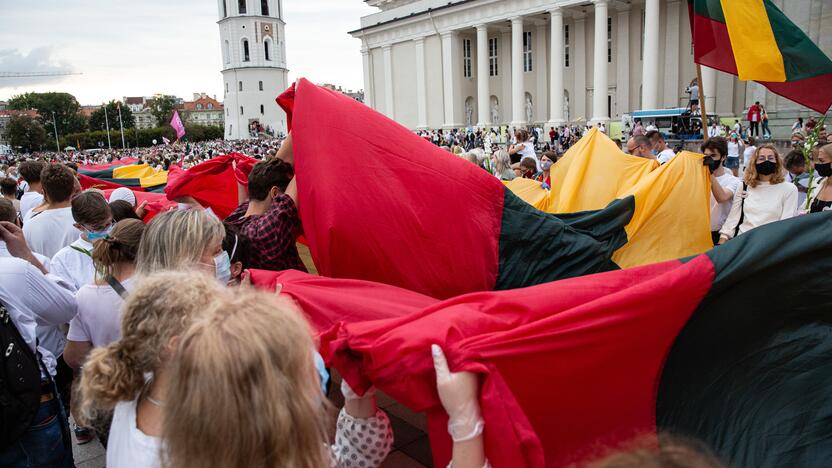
(176, 123)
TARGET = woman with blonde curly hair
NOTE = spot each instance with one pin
(246, 394)
(130, 376)
(765, 197)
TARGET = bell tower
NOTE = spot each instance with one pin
(254, 69)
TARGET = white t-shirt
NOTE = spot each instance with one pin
(73, 266)
(720, 211)
(50, 231)
(747, 155)
(528, 152)
(34, 301)
(651, 128)
(733, 149)
(28, 201)
(129, 447)
(99, 314)
(665, 156)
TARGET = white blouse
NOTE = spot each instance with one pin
(764, 204)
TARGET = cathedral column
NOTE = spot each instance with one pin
(389, 104)
(368, 77)
(518, 118)
(421, 85)
(556, 68)
(450, 64)
(650, 64)
(540, 68)
(579, 96)
(671, 55)
(483, 93)
(599, 82)
(622, 68)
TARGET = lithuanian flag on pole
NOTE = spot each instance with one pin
(756, 41)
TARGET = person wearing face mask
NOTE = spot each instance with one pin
(183, 240)
(822, 194)
(237, 247)
(94, 220)
(765, 197)
(546, 162)
(723, 183)
(736, 147)
(660, 149)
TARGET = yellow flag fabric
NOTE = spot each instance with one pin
(155, 179)
(672, 216)
(135, 171)
(756, 53)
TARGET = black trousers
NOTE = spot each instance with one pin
(754, 128)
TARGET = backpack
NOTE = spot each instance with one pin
(20, 384)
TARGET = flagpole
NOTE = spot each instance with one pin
(107, 122)
(702, 112)
(121, 124)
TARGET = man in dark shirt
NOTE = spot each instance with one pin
(270, 218)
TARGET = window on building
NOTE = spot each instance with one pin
(199, 107)
(240, 86)
(466, 58)
(241, 110)
(262, 110)
(224, 9)
(264, 7)
(227, 51)
(228, 112)
(527, 51)
(266, 44)
(609, 40)
(246, 56)
(226, 87)
(241, 6)
(609, 105)
(210, 106)
(260, 85)
(492, 57)
(566, 45)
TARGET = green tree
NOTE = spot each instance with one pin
(162, 109)
(25, 132)
(98, 122)
(67, 111)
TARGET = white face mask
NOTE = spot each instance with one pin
(222, 267)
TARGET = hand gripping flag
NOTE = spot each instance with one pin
(400, 211)
(177, 125)
(756, 41)
(731, 347)
(212, 183)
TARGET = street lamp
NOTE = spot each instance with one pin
(55, 127)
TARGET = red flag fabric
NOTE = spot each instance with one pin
(550, 391)
(156, 202)
(91, 182)
(434, 261)
(212, 183)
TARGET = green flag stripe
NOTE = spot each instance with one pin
(801, 57)
(711, 9)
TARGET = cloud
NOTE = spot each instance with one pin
(37, 60)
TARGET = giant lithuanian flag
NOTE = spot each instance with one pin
(756, 41)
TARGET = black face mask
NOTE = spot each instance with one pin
(766, 168)
(712, 164)
(824, 170)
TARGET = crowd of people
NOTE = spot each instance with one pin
(151, 338)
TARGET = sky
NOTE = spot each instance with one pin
(144, 47)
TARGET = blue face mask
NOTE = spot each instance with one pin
(222, 266)
(98, 235)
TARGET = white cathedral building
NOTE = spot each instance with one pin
(254, 66)
(458, 63)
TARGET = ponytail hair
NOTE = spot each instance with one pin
(120, 247)
(161, 307)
